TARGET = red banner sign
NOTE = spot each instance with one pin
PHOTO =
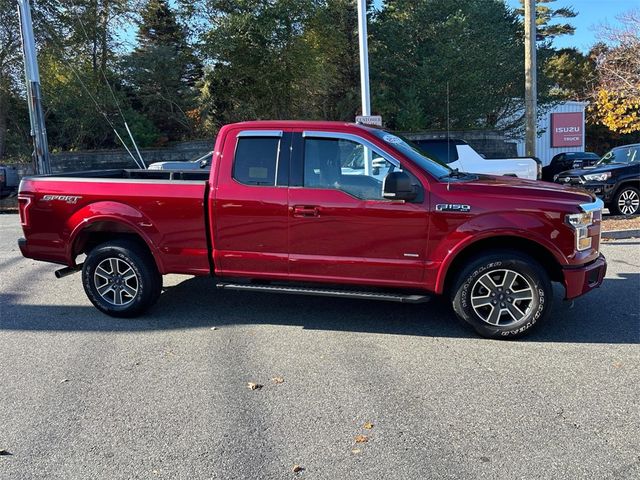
(566, 129)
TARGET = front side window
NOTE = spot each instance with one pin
(622, 155)
(345, 165)
(256, 161)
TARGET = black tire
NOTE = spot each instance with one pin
(135, 270)
(630, 198)
(469, 290)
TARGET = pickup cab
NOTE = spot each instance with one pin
(277, 213)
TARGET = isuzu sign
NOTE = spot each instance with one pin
(567, 129)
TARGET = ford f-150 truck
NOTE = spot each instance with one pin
(276, 213)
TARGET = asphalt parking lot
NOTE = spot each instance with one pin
(85, 396)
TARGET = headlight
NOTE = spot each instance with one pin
(580, 223)
(598, 177)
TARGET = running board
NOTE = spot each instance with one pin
(326, 292)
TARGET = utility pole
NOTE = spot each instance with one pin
(364, 57)
(34, 94)
(531, 77)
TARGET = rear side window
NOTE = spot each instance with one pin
(256, 161)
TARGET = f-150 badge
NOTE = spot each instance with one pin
(72, 199)
(453, 207)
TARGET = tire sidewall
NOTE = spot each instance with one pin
(538, 280)
(140, 267)
(616, 199)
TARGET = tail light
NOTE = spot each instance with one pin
(23, 203)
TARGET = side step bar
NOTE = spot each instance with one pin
(327, 292)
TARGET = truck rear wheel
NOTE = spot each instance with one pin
(502, 294)
(121, 278)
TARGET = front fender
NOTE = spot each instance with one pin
(532, 227)
(127, 217)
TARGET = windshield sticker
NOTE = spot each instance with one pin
(392, 139)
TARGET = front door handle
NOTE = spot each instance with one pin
(306, 211)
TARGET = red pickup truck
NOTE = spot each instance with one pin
(320, 208)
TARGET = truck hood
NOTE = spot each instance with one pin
(512, 186)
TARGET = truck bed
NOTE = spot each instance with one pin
(165, 208)
(167, 175)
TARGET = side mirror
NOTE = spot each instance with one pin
(397, 186)
(204, 163)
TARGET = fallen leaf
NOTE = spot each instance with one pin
(64, 380)
(4, 452)
(297, 468)
(362, 439)
(214, 328)
(485, 459)
(254, 386)
(277, 380)
(356, 451)
(617, 365)
(368, 426)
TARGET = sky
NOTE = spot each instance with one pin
(591, 13)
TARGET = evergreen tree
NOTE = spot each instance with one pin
(420, 46)
(162, 72)
(546, 16)
(259, 61)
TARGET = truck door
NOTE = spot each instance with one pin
(340, 227)
(250, 210)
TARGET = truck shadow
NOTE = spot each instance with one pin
(607, 315)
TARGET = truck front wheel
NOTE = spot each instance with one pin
(121, 278)
(502, 294)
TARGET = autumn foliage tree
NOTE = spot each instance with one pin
(616, 98)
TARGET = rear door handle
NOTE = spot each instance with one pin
(306, 211)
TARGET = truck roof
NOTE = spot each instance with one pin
(297, 124)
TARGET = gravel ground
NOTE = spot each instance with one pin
(611, 223)
(166, 397)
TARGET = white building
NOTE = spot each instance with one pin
(559, 131)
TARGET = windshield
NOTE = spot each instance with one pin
(622, 155)
(433, 166)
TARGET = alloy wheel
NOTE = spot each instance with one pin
(629, 202)
(502, 297)
(116, 281)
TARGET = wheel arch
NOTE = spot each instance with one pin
(543, 255)
(629, 182)
(101, 229)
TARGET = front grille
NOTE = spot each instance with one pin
(569, 180)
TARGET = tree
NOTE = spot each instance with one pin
(14, 121)
(162, 72)
(421, 46)
(545, 15)
(572, 74)
(617, 94)
(9, 65)
(258, 60)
